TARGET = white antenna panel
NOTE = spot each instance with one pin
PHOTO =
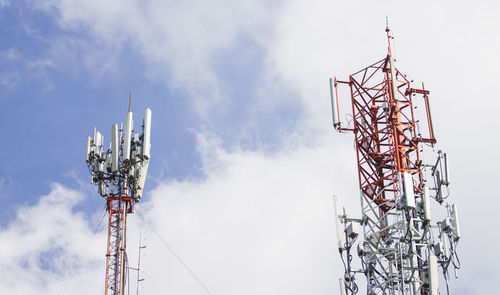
(115, 153)
(97, 138)
(342, 286)
(98, 143)
(433, 274)
(337, 221)
(446, 170)
(409, 195)
(147, 134)
(127, 136)
(444, 243)
(142, 178)
(455, 223)
(89, 145)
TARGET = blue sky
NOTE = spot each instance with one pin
(51, 100)
(244, 158)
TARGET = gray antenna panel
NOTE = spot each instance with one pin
(127, 136)
(147, 134)
(114, 148)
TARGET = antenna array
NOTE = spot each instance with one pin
(399, 246)
(119, 173)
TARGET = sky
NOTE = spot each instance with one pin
(244, 156)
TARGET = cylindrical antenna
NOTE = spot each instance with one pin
(334, 103)
(446, 170)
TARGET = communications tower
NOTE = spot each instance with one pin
(401, 176)
(120, 173)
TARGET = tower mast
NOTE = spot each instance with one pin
(399, 247)
(120, 173)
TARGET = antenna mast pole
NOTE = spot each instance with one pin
(120, 173)
(398, 250)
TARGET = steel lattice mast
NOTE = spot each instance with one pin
(120, 174)
(401, 248)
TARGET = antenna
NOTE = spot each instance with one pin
(127, 137)
(400, 247)
(337, 221)
(115, 153)
(334, 101)
(121, 181)
(89, 145)
(388, 31)
(138, 268)
(139, 264)
(147, 133)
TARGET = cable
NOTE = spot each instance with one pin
(86, 245)
(172, 251)
(128, 273)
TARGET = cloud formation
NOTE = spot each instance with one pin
(260, 222)
(46, 248)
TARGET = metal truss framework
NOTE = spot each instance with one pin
(394, 252)
(397, 254)
(118, 208)
(385, 131)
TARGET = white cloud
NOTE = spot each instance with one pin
(257, 223)
(451, 46)
(178, 39)
(18, 67)
(452, 51)
(48, 246)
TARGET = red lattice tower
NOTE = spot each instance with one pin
(118, 208)
(385, 129)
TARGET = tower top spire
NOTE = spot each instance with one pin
(389, 37)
